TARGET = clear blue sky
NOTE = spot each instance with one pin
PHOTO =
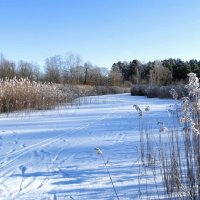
(101, 31)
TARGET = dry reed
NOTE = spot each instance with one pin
(22, 94)
(173, 153)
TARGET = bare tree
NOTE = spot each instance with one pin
(53, 69)
(7, 68)
(115, 76)
(28, 70)
(72, 63)
(104, 73)
(87, 67)
(159, 74)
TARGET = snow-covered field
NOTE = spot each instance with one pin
(50, 154)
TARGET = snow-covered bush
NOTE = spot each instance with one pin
(157, 91)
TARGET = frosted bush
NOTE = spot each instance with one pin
(193, 86)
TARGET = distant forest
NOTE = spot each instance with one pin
(70, 69)
(158, 72)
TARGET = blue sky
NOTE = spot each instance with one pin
(101, 31)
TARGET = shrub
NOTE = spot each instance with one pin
(157, 91)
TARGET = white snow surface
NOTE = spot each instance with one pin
(50, 154)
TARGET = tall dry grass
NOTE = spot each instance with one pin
(23, 94)
(172, 155)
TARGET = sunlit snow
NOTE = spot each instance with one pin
(50, 154)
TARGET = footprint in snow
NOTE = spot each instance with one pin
(36, 154)
(15, 139)
(15, 142)
(11, 151)
(45, 152)
(23, 145)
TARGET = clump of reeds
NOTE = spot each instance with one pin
(175, 150)
(22, 94)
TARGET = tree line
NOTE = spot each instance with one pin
(158, 72)
(70, 69)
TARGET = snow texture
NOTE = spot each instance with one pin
(51, 154)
